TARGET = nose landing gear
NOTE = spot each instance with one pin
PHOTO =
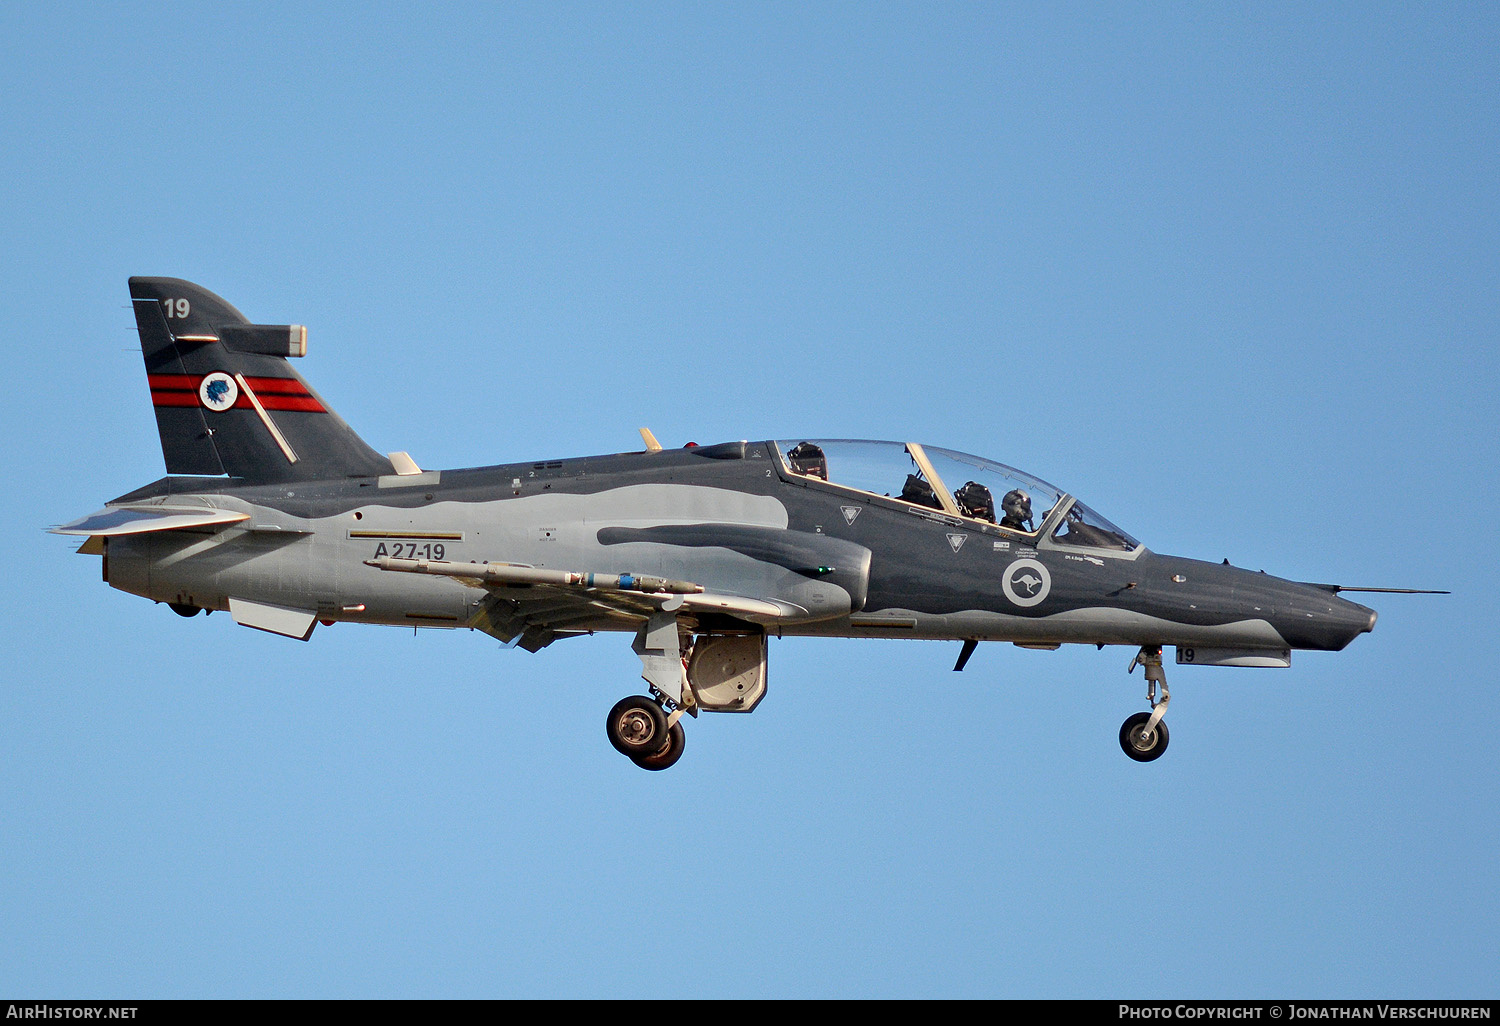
(1144, 736)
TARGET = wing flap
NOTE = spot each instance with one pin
(756, 610)
(538, 604)
(510, 574)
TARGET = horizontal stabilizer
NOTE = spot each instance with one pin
(117, 520)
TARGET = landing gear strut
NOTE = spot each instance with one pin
(647, 729)
(1144, 736)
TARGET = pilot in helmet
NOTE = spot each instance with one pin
(1017, 508)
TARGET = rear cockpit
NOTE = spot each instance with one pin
(959, 485)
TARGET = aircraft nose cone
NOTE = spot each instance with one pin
(1336, 623)
(1362, 617)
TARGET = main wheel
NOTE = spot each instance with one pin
(1139, 745)
(637, 726)
(669, 754)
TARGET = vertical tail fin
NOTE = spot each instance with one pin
(228, 402)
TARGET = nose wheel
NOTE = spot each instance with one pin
(1141, 742)
(1144, 735)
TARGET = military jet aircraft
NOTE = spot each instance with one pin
(276, 511)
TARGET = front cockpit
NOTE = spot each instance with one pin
(959, 485)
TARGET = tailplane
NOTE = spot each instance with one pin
(228, 402)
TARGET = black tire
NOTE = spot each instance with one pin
(669, 754)
(183, 609)
(1143, 749)
(636, 726)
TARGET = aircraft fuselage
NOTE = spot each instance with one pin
(733, 518)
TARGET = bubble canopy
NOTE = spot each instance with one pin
(958, 484)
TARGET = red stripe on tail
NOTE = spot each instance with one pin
(273, 393)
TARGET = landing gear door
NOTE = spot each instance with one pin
(728, 672)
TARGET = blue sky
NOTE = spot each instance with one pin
(1229, 273)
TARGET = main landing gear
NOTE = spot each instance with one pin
(1144, 736)
(686, 675)
(642, 730)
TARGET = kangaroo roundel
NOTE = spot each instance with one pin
(1026, 582)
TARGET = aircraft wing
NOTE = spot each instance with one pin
(117, 520)
(538, 605)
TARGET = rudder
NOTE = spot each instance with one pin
(226, 399)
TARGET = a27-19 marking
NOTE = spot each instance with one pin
(411, 550)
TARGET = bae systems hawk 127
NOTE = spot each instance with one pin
(276, 511)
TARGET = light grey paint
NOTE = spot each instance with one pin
(283, 559)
